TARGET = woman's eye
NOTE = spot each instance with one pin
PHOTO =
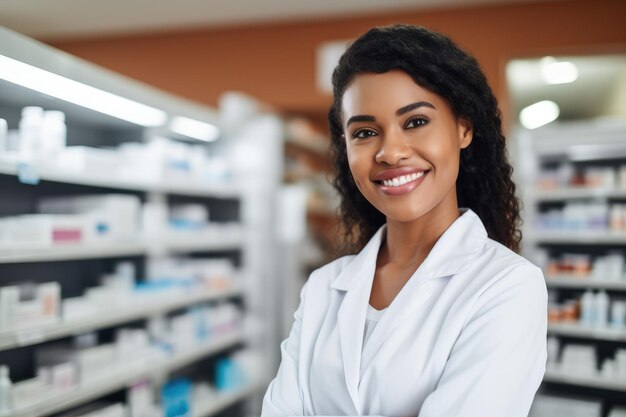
(363, 133)
(416, 122)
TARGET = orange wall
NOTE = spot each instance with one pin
(276, 63)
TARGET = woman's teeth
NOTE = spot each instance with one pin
(401, 180)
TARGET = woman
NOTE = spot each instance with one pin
(436, 316)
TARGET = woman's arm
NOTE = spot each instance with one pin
(283, 396)
(498, 361)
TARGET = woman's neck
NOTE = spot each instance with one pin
(409, 243)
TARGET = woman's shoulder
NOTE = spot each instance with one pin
(500, 269)
(504, 258)
(319, 284)
(323, 276)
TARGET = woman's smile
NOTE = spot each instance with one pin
(400, 181)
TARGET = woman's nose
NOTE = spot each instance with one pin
(393, 149)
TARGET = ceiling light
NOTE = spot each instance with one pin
(78, 93)
(194, 128)
(539, 114)
(558, 72)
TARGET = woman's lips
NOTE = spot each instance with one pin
(401, 184)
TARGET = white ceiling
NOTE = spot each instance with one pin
(79, 18)
(598, 91)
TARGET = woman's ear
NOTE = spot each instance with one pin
(466, 133)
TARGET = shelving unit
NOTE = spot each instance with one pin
(242, 231)
(213, 406)
(175, 243)
(571, 193)
(40, 334)
(583, 283)
(307, 148)
(73, 252)
(580, 238)
(578, 330)
(52, 173)
(61, 401)
(585, 381)
(587, 143)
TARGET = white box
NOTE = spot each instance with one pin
(33, 231)
(89, 161)
(115, 216)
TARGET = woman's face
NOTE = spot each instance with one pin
(403, 144)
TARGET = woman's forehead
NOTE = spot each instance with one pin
(369, 93)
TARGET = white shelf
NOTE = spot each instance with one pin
(57, 402)
(578, 330)
(585, 381)
(34, 335)
(172, 242)
(206, 241)
(598, 139)
(568, 281)
(73, 252)
(223, 400)
(580, 238)
(572, 193)
(48, 173)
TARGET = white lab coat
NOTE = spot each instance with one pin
(465, 337)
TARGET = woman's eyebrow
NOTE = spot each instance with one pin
(408, 108)
(360, 118)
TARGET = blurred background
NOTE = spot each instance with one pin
(164, 191)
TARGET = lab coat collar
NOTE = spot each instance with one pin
(351, 314)
(366, 257)
(451, 254)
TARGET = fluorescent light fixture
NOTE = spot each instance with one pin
(78, 93)
(194, 128)
(539, 114)
(558, 72)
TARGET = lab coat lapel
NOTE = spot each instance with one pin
(451, 254)
(356, 280)
(400, 309)
(351, 323)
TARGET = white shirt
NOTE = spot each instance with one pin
(465, 337)
(372, 317)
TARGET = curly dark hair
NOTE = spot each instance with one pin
(435, 63)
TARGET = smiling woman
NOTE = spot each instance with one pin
(388, 141)
(436, 315)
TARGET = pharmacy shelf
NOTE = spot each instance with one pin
(585, 381)
(587, 140)
(588, 332)
(569, 142)
(35, 335)
(224, 400)
(101, 181)
(581, 238)
(190, 188)
(570, 281)
(72, 252)
(92, 390)
(573, 193)
(172, 242)
(210, 241)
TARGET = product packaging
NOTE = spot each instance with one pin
(6, 390)
(177, 398)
